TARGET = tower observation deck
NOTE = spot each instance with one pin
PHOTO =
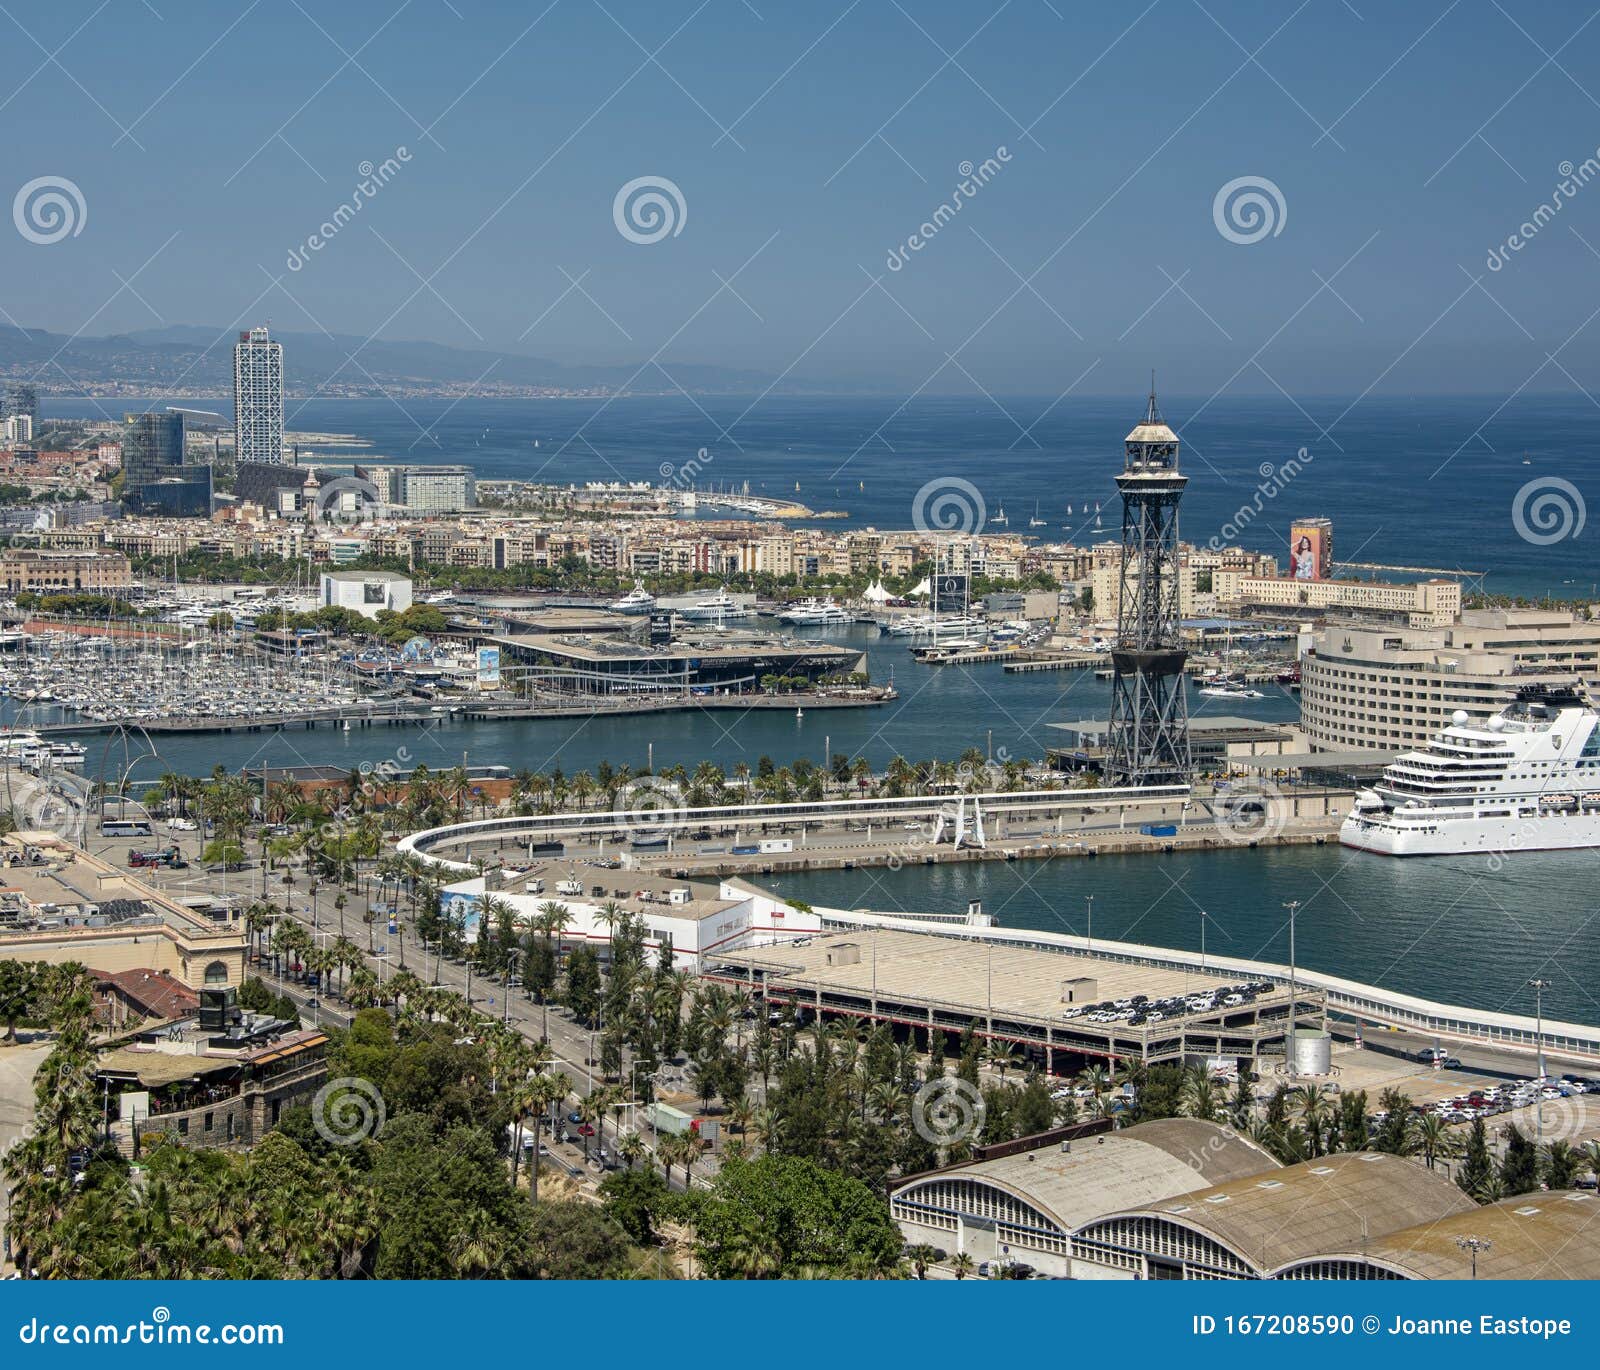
(1149, 731)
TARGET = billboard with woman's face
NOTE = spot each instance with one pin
(1310, 549)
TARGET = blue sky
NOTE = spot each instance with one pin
(810, 140)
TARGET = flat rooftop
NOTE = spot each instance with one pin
(623, 888)
(971, 977)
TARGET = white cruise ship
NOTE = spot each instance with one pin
(1526, 780)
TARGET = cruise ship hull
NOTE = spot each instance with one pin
(1468, 836)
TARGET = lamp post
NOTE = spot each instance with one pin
(1475, 1245)
(1203, 916)
(1294, 907)
(1538, 987)
(1088, 899)
(512, 957)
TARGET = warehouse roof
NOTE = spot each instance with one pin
(1342, 1202)
(1542, 1236)
(1138, 1165)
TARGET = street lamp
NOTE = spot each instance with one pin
(512, 957)
(1538, 987)
(1475, 1245)
(1294, 907)
(1203, 916)
(1089, 900)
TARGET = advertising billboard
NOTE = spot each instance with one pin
(488, 668)
(1311, 549)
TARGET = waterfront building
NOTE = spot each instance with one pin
(1086, 1204)
(1149, 706)
(1422, 604)
(705, 662)
(258, 398)
(686, 919)
(366, 592)
(423, 490)
(58, 572)
(157, 476)
(19, 429)
(1366, 687)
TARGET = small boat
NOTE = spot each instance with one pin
(1036, 521)
(1000, 516)
(347, 725)
(799, 713)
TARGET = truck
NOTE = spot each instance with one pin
(1159, 829)
(664, 1118)
(167, 856)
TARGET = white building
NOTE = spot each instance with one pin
(258, 398)
(19, 428)
(1385, 688)
(366, 591)
(693, 918)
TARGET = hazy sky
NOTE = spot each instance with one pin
(1401, 143)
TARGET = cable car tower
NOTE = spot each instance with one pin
(1149, 710)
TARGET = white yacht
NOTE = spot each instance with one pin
(1528, 779)
(1221, 688)
(637, 601)
(718, 609)
(814, 611)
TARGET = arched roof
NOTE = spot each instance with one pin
(1548, 1235)
(1338, 1203)
(1139, 1165)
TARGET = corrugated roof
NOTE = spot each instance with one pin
(1140, 1165)
(1336, 1203)
(1541, 1236)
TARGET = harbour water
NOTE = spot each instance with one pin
(1460, 930)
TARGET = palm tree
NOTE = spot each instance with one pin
(1433, 1138)
(921, 1257)
(962, 1264)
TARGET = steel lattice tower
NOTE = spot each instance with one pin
(1149, 710)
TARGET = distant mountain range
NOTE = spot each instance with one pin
(191, 360)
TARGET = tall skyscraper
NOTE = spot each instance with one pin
(155, 477)
(258, 398)
(22, 399)
(1149, 710)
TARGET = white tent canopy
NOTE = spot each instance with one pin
(922, 591)
(876, 594)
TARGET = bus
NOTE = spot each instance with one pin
(125, 827)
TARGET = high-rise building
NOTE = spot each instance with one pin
(156, 478)
(258, 398)
(21, 400)
(1149, 711)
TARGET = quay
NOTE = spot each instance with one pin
(413, 714)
